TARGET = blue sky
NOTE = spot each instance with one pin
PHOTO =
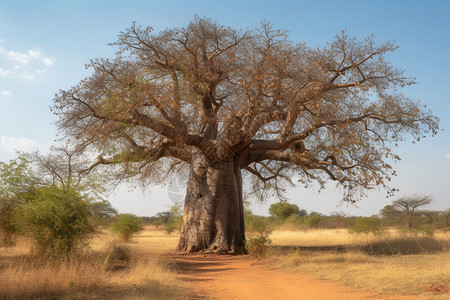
(44, 46)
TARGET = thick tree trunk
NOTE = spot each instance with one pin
(213, 219)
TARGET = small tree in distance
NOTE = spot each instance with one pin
(126, 226)
(284, 210)
(408, 206)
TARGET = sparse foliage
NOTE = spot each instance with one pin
(126, 226)
(18, 184)
(409, 205)
(260, 228)
(217, 102)
(257, 246)
(102, 212)
(337, 219)
(17, 178)
(258, 225)
(7, 223)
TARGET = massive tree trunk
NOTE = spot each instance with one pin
(213, 219)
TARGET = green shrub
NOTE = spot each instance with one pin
(173, 224)
(56, 220)
(102, 213)
(126, 225)
(8, 206)
(312, 221)
(257, 246)
(258, 224)
(283, 210)
(294, 221)
(18, 184)
(366, 225)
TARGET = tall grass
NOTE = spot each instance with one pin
(340, 237)
(109, 270)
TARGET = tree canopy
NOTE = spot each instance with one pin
(409, 206)
(281, 111)
(284, 210)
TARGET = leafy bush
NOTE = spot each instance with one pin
(312, 221)
(294, 221)
(261, 227)
(126, 225)
(257, 246)
(18, 184)
(173, 224)
(283, 210)
(366, 225)
(102, 213)
(56, 220)
(258, 224)
(8, 205)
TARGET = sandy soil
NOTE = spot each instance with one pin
(243, 277)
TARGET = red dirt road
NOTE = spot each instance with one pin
(242, 277)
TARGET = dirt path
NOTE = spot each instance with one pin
(242, 277)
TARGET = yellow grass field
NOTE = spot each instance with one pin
(424, 274)
(113, 270)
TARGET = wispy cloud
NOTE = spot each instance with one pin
(48, 61)
(12, 144)
(5, 73)
(5, 93)
(27, 75)
(24, 65)
(21, 57)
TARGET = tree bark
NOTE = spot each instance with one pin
(213, 219)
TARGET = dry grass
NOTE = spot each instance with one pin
(425, 274)
(110, 270)
(336, 237)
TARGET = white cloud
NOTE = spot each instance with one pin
(4, 72)
(21, 58)
(447, 156)
(5, 93)
(27, 75)
(34, 53)
(31, 75)
(24, 65)
(1, 40)
(12, 144)
(48, 61)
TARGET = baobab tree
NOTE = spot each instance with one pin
(222, 103)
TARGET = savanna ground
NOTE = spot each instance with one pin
(313, 264)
